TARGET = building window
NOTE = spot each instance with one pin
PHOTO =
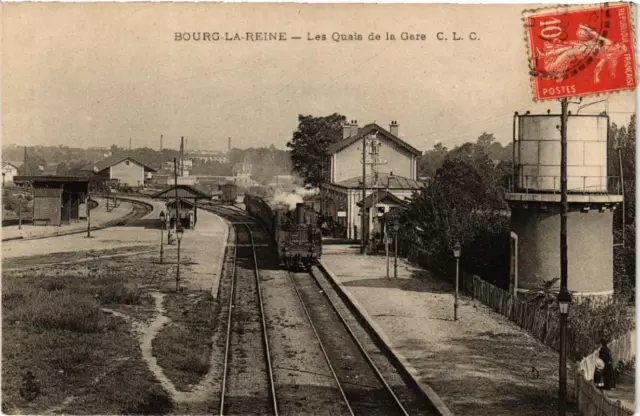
(126, 162)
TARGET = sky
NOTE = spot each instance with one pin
(96, 74)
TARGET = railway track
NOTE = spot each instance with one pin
(366, 379)
(247, 385)
(360, 369)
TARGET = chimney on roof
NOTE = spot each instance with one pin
(346, 131)
(354, 128)
(393, 128)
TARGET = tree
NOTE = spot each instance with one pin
(432, 160)
(309, 144)
(464, 202)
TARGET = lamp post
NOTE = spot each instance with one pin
(387, 236)
(88, 208)
(162, 219)
(396, 228)
(179, 232)
(457, 252)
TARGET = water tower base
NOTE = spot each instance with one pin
(536, 221)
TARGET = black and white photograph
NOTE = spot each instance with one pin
(318, 209)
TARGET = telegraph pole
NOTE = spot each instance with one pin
(564, 297)
(364, 193)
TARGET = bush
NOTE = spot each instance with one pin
(116, 290)
(590, 321)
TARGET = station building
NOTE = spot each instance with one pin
(394, 180)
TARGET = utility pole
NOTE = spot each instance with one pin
(364, 194)
(181, 157)
(564, 297)
(161, 142)
(25, 167)
(129, 143)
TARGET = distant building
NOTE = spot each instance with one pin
(9, 170)
(125, 169)
(242, 174)
(209, 156)
(397, 174)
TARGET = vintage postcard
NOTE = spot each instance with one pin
(318, 209)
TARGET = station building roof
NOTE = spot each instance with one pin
(368, 129)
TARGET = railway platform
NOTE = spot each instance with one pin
(99, 217)
(481, 363)
(202, 253)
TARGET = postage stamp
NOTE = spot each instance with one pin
(581, 51)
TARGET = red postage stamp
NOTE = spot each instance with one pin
(583, 51)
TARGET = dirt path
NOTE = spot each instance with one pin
(146, 335)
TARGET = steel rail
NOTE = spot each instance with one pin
(361, 347)
(260, 304)
(351, 333)
(229, 320)
(324, 351)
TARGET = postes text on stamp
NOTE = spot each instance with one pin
(581, 51)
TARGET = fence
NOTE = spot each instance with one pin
(544, 325)
(593, 402)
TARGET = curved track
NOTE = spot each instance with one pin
(140, 209)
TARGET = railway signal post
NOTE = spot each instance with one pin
(179, 232)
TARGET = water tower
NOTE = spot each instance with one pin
(534, 200)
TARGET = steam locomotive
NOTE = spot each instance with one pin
(296, 233)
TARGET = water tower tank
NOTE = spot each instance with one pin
(537, 153)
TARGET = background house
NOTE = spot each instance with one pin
(126, 170)
(393, 179)
(9, 170)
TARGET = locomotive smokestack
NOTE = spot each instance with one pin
(300, 208)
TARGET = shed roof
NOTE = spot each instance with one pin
(184, 191)
(56, 179)
(114, 160)
(368, 129)
(385, 180)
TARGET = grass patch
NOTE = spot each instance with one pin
(183, 347)
(53, 327)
